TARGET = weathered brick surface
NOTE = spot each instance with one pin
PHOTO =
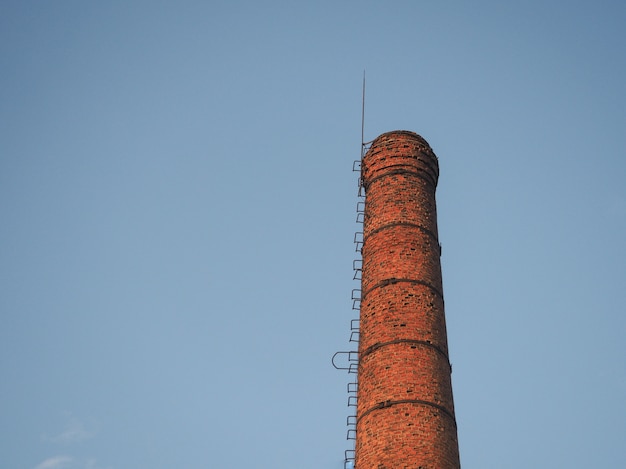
(405, 413)
(400, 444)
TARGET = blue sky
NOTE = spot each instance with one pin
(178, 210)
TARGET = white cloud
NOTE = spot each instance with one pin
(73, 432)
(55, 463)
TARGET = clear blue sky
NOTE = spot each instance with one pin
(177, 211)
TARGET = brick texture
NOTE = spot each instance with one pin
(405, 410)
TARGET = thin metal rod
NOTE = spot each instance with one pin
(363, 114)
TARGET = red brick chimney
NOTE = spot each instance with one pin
(405, 411)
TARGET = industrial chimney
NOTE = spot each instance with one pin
(405, 411)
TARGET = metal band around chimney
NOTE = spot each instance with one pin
(403, 223)
(392, 281)
(390, 403)
(424, 343)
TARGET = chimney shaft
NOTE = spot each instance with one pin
(405, 410)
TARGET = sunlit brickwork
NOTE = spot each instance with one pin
(405, 410)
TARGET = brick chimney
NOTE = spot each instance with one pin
(405, 411)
